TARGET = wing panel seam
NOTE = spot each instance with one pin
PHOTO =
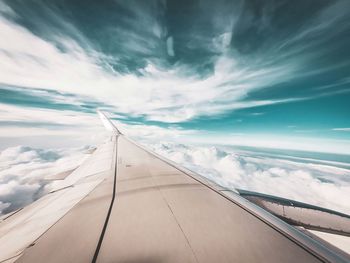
(99, 244)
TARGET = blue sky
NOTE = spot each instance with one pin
(255, 73)
(203, 83)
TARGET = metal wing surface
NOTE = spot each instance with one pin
(127, 204)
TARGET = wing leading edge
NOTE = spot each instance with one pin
(131, 205)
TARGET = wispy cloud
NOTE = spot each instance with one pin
(283, 142)
(258, 113)
(166, 95)
(40, 127)
(341, 129)
(158, 90)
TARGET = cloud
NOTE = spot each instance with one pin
(341, 129)
(45, 128)
(282, 142)
(257, 113)
(6, 10)
(170, 46)
(23, 171)
(153, 133)
(319, 182)
(10, 113)
(324, 185)
(152, 66)
(158, 91)
(3, 206)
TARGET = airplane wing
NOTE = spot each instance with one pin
(128, 204)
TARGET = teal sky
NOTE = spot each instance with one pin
(240, 72)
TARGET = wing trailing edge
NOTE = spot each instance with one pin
(301, 214)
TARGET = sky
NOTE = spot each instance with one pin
(260, 73)
(263, 74)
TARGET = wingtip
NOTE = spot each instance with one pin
(107, 123)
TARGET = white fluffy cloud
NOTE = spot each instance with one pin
(319, 184)
(23, 171)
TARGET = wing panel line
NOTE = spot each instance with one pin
(300, 239)
(176, 220)
(94, 259)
